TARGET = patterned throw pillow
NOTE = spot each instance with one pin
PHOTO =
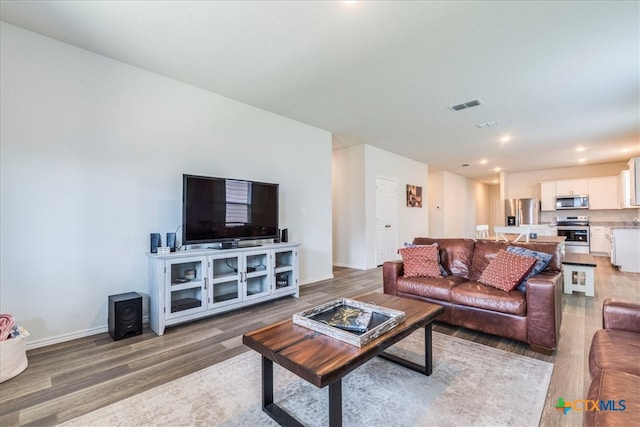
(542, 261)
(420, 261)
(443, 271)
(506, 270)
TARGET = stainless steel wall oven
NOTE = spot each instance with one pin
(576, 231)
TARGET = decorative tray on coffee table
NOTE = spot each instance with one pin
(354, 322)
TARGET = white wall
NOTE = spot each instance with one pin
(412, 221)
(482, 203)
(355, 172)
(92, 155)
(435, 204)
(349, 215)
(457, 205)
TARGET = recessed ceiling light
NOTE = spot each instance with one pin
(625, 150)
(582, 160)
(580, 149)
(484, 161)
(505, 138)
(497, 169)
(495, 181)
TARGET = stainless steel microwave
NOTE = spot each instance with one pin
(572, 202)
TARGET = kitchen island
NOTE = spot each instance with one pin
(625, 249)
(542, 239)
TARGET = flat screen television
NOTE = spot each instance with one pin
(223, 209)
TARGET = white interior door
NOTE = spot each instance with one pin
(386, 220)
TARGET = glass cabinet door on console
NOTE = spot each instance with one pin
(226, 280)
(186, 283)
(195, 283)
(256, 277)
(285, 275)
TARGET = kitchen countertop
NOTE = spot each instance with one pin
(615, 224)
(542, 239)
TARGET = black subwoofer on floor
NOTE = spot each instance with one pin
(125, 315)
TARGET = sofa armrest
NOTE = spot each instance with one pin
(620, 314)
(544, 309)
(391, 271)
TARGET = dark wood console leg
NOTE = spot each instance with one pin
(335, 404)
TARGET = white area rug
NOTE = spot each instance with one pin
(471, 385)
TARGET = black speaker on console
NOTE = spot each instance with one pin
(125, 315)
(155, 241)
(171, 241)
(284, 235)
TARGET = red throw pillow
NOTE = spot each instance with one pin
(506, 270)
(421, 261)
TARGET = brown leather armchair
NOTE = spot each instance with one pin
(614, 365)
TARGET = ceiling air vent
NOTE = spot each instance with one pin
(465, 105)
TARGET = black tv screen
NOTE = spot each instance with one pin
(222, 209)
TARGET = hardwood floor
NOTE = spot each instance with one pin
(69, 379)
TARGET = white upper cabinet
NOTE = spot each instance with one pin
(603, 192)
(624, 192)
(572, 187)
(634, 178)
(548, 196)
(609, 192)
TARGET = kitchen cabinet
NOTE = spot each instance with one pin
(626, 249)
(597, 240)
(634, 178)
(548, 196)
(624, 190)
(572, 187)
(603, 192)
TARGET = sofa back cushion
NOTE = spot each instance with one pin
(455, 254)
(486, 251)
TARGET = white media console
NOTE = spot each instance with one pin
(196, 283)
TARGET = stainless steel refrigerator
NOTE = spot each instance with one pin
(521, 212)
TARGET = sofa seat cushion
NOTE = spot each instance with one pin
(610, 387)
(615, 350)
(475, 294)
(429, 287)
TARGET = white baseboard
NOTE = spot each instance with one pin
(316, 279)
(72, 336)
(101, 329)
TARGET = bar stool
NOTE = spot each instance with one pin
(482, 231)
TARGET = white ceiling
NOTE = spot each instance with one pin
(554, 75)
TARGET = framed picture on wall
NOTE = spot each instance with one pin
(414, 196)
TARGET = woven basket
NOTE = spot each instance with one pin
(13, 357)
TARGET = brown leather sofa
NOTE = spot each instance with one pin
(533, 316)
(614, 365)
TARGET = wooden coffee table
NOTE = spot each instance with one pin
(324, 361)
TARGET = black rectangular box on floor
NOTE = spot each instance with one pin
(125, 315)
